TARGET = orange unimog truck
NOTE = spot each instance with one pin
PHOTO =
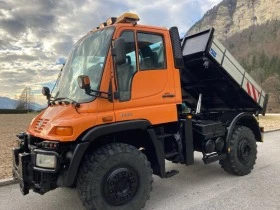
(130, 97)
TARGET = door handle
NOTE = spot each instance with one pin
(168, 95)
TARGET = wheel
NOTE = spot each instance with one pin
(116, 176)
(243, 152)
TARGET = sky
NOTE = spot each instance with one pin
(37, 35)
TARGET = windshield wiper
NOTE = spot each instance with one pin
(58, 78)
(64, 99)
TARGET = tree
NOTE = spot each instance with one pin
(25, 99)
(259, 75)
(272, 87)
(254, 62)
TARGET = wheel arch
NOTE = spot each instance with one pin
(120, 132)
(248, 120)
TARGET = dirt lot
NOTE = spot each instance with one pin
(12, 124)
(270, 122)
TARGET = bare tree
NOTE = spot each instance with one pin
(25, 99)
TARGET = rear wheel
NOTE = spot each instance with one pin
(243, 152)
(116, 176)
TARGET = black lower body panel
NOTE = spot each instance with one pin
(29, 177)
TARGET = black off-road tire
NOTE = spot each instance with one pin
(115, 176)
(243, 152)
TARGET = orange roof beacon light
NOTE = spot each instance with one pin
(102, 25)
(124, 18)
(111, 21)
(128, 18)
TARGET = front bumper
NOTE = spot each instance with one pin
(20, 169)
(41, 180)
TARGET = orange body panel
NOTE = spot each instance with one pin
(147, 101)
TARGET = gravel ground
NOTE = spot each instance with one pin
(12, 124)
(196, 187)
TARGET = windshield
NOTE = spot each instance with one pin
(86, 58)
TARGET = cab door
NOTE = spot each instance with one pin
(145, 84)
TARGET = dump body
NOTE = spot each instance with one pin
(212, 71)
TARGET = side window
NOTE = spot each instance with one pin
(126, 71)
(151, 51)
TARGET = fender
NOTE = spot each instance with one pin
(68, 178)
(245, 119)
(101, 130)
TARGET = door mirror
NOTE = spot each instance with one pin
(46, 92)
(83, 82)
(119, 51)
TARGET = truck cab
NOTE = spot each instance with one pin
(128, 91)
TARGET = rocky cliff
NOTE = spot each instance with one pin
(232, 16)
(250, 30)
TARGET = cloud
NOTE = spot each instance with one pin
(37, 35)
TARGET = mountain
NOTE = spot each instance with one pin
(250, 30)
(233, 16)
(7, 103)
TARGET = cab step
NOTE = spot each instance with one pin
(212, 158)
(171, 173)
(170, 155)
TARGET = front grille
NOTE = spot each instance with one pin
(40, 124)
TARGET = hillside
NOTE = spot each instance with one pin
(251, 32)
(257, 47)
(233, 16)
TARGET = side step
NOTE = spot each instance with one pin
(169, 155)
(171, 173)
(212, 158)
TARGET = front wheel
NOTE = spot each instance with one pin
(116, 176)
(243, 152)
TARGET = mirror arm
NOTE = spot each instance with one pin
(113, 52)
(98, 93)
(48, 98)
(99, 96)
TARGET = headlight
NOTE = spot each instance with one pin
(46, 161)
